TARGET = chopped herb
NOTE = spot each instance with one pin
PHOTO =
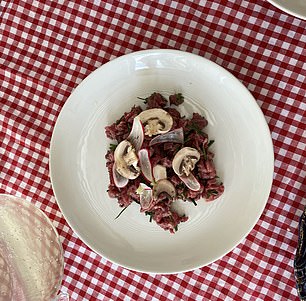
(121, 212)
(187, 140)
(211, 192)
(112, 147)
(177, 149)
(210, 143)
(144, 99)
(150, 214)
(120, 119)
(182, 194)
(194, 127)
(180, 186)
(204, 154)
(205, 150)
(194, 202)
(176, 99)
(173, 221)
(129, 127)
(181, 197)
(180, 97)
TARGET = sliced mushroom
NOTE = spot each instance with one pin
(164, 186)
(119, 180)
(185, 160)
(159, 172)
(191, 182)
(156, 121)
(126, 160)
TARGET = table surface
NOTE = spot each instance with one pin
(49, 47)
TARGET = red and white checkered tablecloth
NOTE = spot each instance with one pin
(48, 47)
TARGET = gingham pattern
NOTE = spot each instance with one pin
(48, 47)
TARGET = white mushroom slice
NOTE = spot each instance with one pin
(119, 180)
(159, 172)
(164, 186)
(136, 135)
(191, 182)
(185, 160)
(155, 121)
(126, 160)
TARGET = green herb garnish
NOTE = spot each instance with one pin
(211, 192)
(210, 143)
(120, 119)
(186, 140)
(112, 147)
(194, 202)
(121, 212)
(181, 195)
(150, 214)
(180, 186)
(176, 228)
(144, 99)
(204, 150)
(179, 99)
(204, 154)
(194, 127)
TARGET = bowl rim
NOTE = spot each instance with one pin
(287, 10)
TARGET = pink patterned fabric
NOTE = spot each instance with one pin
(48, 47)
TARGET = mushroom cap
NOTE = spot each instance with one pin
(159, 172)
(164, 185)
(126, 160)
(156, 121)
(184, 160)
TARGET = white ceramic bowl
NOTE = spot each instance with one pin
(296, 8)
(243, 157)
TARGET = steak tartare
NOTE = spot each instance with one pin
(159, 157)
